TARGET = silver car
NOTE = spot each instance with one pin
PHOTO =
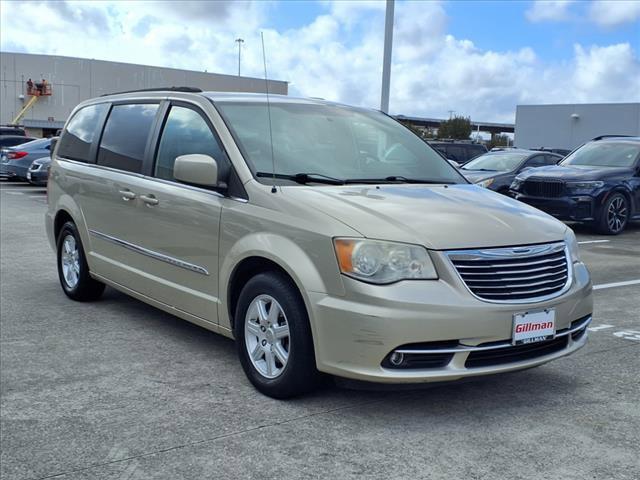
(325, 239)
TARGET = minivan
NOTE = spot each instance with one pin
(326, 239)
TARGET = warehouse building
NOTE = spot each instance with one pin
(69, 81)
(569, 126)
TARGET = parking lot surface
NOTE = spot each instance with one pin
(119, 390)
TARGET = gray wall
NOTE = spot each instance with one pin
(553, 126)
(76, 79)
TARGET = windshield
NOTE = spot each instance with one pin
(604, 154)
(340, 142)
(502, 162)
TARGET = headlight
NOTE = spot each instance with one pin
(584, 185)
(516, 184)
(572, 245)
(375, 261)
(485, 183)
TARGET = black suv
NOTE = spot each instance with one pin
(459, 152)
(599, 183)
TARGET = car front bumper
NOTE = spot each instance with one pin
(38, 177)
(579, 208)
(354, 335)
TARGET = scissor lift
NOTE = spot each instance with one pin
(35, 91)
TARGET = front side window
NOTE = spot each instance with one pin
(538, 161)
(604, 154)
(186, 132)
(341, 142)
(81, 131)
(125, 136)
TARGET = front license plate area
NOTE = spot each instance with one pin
(530, 327)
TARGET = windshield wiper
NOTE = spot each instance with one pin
(479, 169)
(304, 178)
(395, 178)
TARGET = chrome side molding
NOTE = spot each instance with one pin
(150, 253)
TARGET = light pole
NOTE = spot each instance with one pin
(239, 41)
(386, 59)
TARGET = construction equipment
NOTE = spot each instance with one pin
(35, 92)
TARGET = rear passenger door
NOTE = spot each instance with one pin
(177, 225)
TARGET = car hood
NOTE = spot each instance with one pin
(575, 172)
(437, 216)
(476, 176)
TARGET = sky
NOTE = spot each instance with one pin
(477, 58)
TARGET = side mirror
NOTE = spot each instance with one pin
(52, 147)
(196, 169)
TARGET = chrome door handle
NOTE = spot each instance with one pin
(127, 195)
(150, 200)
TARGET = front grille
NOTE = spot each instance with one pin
(543, 188)
(518, 353)
(513, 274)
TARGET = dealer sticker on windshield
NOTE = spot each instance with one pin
(532, 327)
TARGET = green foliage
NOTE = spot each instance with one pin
(413, 128)
(499, 141)
(458, 128)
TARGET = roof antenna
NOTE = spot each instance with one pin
(266, 84)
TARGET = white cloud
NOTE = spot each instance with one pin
(611, 13)
(548, 10)
(338, 55)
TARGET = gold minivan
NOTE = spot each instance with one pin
(323, 238)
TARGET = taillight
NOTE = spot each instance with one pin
(16, 155)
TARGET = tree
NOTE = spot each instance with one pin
(499, 140)
(458, 128)
(412, 127)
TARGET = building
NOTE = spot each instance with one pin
(73, 80)
(569, 126)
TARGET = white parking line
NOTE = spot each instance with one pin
(15, 193)
(584, 242)
(616, 284)
(599, 327)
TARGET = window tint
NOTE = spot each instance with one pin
(82, 129)
(186, 132)
(456, 153)
(475, 150)
(125, 136)
(537, 161)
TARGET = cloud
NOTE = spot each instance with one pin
(548, 10)
(613, 13)
(337, 55)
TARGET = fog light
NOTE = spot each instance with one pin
(396, 358)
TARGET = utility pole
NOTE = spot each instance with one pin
(451, 112)
(239, 41)
(386, 62)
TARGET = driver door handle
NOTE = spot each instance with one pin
(150, 200)
(127, 195)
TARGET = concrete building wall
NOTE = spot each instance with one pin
(556, 126)
(76, 79)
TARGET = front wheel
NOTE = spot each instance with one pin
(273, 337)
(614, 215)
(73, 270)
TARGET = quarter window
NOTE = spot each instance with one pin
(125, 136)
(186, 132)
(81, 131)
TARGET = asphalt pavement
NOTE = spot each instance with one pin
(119, 390)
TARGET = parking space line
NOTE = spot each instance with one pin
(584, 242)
(15, 193)
(599, 327)
(616, 284)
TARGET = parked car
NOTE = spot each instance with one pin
(15, 161)
(459, 152)
(496, 170)
(560, 151)
(10, 130)
(13, 140)
(38, 172)
(598, 184)
(326, 239)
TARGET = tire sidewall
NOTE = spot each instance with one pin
(69, 228)
(604, 221)
(297, 374)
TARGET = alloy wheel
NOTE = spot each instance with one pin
(70, 260)
(266, 336)
(617, 214)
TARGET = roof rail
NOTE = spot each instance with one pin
(601, 137)
(162, 89)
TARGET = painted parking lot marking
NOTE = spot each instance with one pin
(600, 327)
(585, 242)
(15, 193)
(629, 335)
(616, 284)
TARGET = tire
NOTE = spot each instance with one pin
(264, 335)
(614, 215)
(73, 270)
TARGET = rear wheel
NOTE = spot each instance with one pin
(614, 215)
(273, 337)
(73, 270)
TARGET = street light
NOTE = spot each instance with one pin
(239, 41)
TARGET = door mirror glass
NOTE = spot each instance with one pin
(53, 145)
(196, 169)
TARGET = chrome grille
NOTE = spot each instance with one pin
(514, 274)
(543, 188)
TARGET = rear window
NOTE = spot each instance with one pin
(125, 136)
(81, 131)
